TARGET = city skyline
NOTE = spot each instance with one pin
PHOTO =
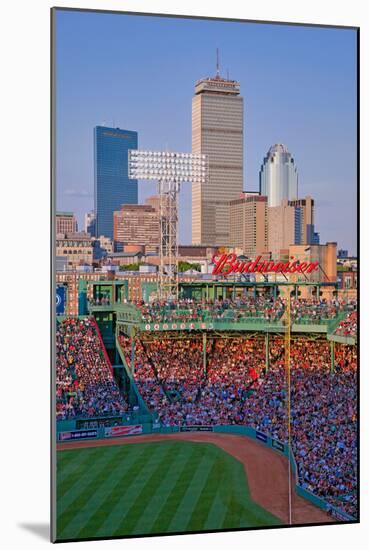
(309, 84)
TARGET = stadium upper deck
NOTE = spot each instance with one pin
(336, 317)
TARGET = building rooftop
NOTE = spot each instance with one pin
(79, 236)
(278, 148)
(137, 208)
(217, 85)
(114, 131)
(249, 197)
(124, 254)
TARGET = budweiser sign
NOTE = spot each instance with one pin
(225, 264)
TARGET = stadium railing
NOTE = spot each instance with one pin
(339, 338)
(230, 319)
(141, 403)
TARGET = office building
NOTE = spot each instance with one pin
(305, 225)
(136, 225)
(325, 254)
(278, 178)
(66, 223)
(217, 131)
(76, 248)
(347, 284)
(102, 246)
(342, 254)
(90, 226)
(154, 201)
(292, 222)
(248, 224)
(112, 185)
(61, 263)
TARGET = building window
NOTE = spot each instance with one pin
(347, 282)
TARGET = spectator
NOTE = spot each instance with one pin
(85, 385)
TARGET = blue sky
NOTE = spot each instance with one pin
(138, 73)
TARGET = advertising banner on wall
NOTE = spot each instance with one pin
(117, 431)
(196, 428)
(60, 300)
(77, 434)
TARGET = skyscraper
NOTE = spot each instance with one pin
(217, 131)
(112, 185)
(249, 224)
(278, 177)
(306, 232)
(290, 223)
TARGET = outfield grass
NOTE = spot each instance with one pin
(146, 488)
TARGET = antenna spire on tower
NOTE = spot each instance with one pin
(218, 73)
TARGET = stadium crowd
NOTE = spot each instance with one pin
(323, 417)
(198, 393)
(261, 307)
(188, 310)
(232, 384)
(85, 386)
(145, 375)
(316, 310)
(348, 327)
(236, 388)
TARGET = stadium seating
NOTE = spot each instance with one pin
(233, 383)
(85, 386)
(236, 388)
(348, 327)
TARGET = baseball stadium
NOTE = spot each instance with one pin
(232, 407)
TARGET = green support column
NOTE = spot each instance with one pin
(204, 351)
(333, 346)
(211, 293)
(132, 352)
(117, 356)
(266, 351)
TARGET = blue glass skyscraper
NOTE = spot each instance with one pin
(112, 185)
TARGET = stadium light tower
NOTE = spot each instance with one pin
(169, 169)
